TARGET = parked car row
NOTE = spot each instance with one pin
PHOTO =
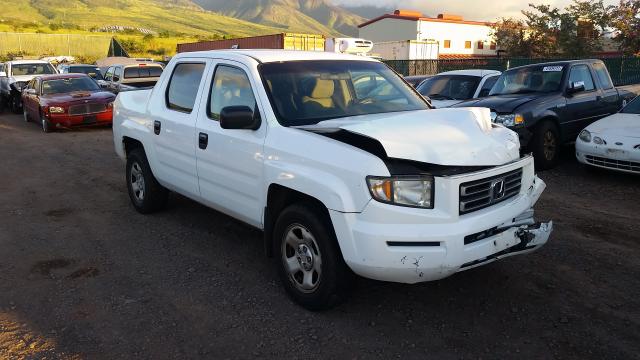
(71, 95)
(547, 104)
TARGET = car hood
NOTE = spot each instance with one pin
(502, 104)
(619, 125)
(75, 97)
(23, 78)
(439, 104)
(455, 137)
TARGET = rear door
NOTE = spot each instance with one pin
(230, 162)
(583, 107)
(174, 113)
(610, 102)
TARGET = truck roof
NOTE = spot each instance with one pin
(559, 63)
(472, 72)
(267, 56)
(18, 62)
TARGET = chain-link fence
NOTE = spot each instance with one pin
(623, 70)
(32, 44)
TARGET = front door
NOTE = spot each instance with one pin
(230, 162)
(582, 107)
(174, 117)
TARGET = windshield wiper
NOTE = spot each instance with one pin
(440, 97)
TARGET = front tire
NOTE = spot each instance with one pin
(146, 194)
(545, 145)
(310, 263)
(46, 125)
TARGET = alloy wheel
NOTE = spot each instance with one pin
(549, 145)
(137, 181)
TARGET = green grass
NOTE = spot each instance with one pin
(176, 20)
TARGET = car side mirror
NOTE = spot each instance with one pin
(239, 118)
(30, 91)
(576, 87)
(116, 78)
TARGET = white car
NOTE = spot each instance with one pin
(340, 180)
(453, 87)
(613, 142)
(14, 76)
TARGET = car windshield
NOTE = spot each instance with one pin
(450, 87)
(531, 79)
(92, 71)
(32, 69)
(307, 92)
(632, 108)
(61, 86)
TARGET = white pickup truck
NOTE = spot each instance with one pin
(343, 165)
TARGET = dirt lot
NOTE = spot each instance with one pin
(82, 275)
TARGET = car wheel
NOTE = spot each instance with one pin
(546, 145)
(46, 125)
(310, 263)
(146, 194)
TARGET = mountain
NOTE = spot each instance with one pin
(181, 17)
(314, 16)
(367, 12)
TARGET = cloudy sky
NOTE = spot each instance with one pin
(470, 9)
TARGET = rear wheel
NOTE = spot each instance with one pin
(146, 194)
(545, 145)
(310, 263)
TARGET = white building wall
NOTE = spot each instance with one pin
(457, 33)
(390, 30)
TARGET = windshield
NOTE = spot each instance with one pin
(450, 87)
(531, 79)
(92, 71)
(632, 108)
(32, 69)
(307, 92)
(60, 86)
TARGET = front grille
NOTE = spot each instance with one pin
(84, 109)
(480, 194)
(614, 164)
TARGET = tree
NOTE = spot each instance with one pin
(548, 31)
(626, 22)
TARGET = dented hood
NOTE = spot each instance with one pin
(456, 137)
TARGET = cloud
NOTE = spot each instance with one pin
(470, 9)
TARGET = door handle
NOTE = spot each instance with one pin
(203, 141)
(157, 126)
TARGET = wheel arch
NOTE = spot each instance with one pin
(129, 144)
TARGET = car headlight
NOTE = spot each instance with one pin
(598, 140)
(510, 120)
(56, 110)
(585, 136)
(412, 191)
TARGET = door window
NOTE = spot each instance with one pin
(231, 87)
(603, 75)
(582, 73)
(117, 74)
(183, 86)
(109, 74)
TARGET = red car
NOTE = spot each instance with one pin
(67, 100)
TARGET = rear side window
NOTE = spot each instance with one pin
(582, 73)
(603, 75)
(183, 86)
(231, 87)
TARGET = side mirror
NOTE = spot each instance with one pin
(116, 78)
(576, 87)
(30, 91)
(3, 74)
(239, 118)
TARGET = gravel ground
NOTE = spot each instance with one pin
(83, 276)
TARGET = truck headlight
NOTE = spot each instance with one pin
(510, 120)
(412, 191)
(585, 136)
(56, 110)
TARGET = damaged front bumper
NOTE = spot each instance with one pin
(406, 245)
